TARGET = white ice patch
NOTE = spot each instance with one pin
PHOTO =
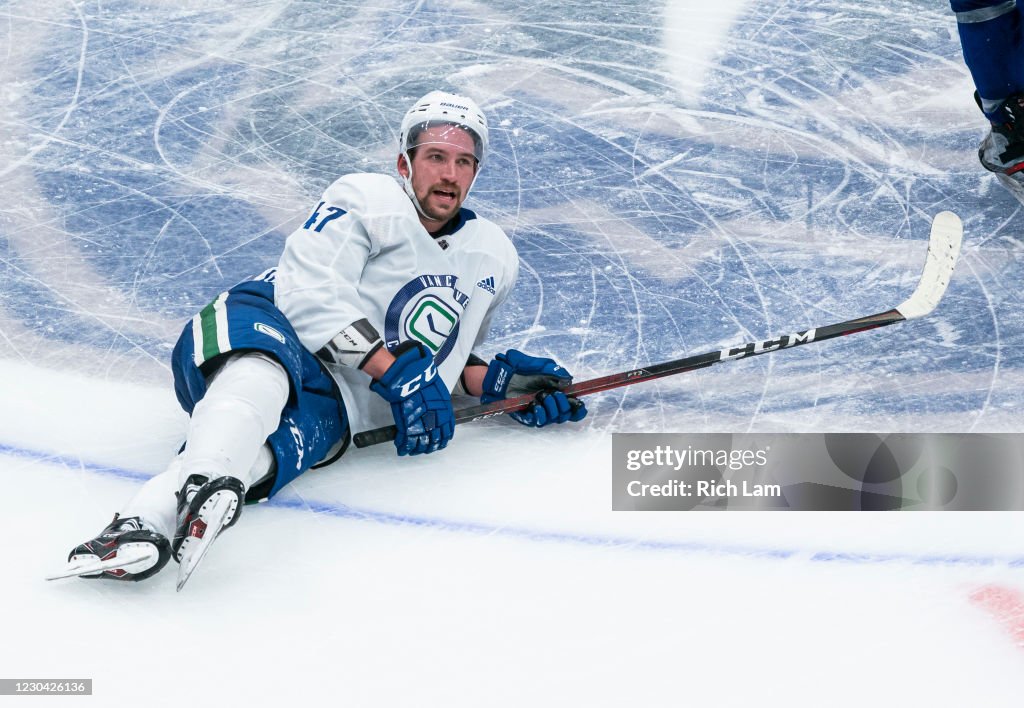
(693, 36)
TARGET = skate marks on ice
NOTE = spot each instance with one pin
(787, 177)
(828, 169)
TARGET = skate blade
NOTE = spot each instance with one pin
(218, 514)
(126, 558)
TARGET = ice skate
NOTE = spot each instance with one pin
(125, 550)
(205, 508)
(1002, 150)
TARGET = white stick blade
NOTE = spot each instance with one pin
(943, 251)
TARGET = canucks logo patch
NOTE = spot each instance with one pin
(487, 284)
(431, 321)
(426, 309)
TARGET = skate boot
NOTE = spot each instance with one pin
(205, 508)
(125, 550)
(1002, 150)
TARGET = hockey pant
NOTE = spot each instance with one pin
(990, 34)
(313, 426)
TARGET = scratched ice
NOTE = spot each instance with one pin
(677, 178)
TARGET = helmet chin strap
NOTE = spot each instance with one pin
(407, 186)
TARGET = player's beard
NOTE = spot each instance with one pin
(438, 208)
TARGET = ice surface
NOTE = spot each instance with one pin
(677, 178)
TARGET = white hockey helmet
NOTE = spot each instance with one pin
(442, 108)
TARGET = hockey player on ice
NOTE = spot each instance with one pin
(990, 34)
(393, 287)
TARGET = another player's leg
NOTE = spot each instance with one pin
(990, 34)
(1002, 150)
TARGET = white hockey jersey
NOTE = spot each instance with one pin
(364, 254)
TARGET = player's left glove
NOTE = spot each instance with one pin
(516, 373)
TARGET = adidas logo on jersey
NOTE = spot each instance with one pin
(487, 284)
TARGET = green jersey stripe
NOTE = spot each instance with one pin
(210, 331)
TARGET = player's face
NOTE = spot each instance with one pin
(443, 168)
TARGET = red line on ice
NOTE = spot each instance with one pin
(1006, 605)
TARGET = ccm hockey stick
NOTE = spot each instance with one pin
(943, 250)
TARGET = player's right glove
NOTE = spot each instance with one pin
(420, 402)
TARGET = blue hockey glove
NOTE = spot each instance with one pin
(517, 373)
(420, 402)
